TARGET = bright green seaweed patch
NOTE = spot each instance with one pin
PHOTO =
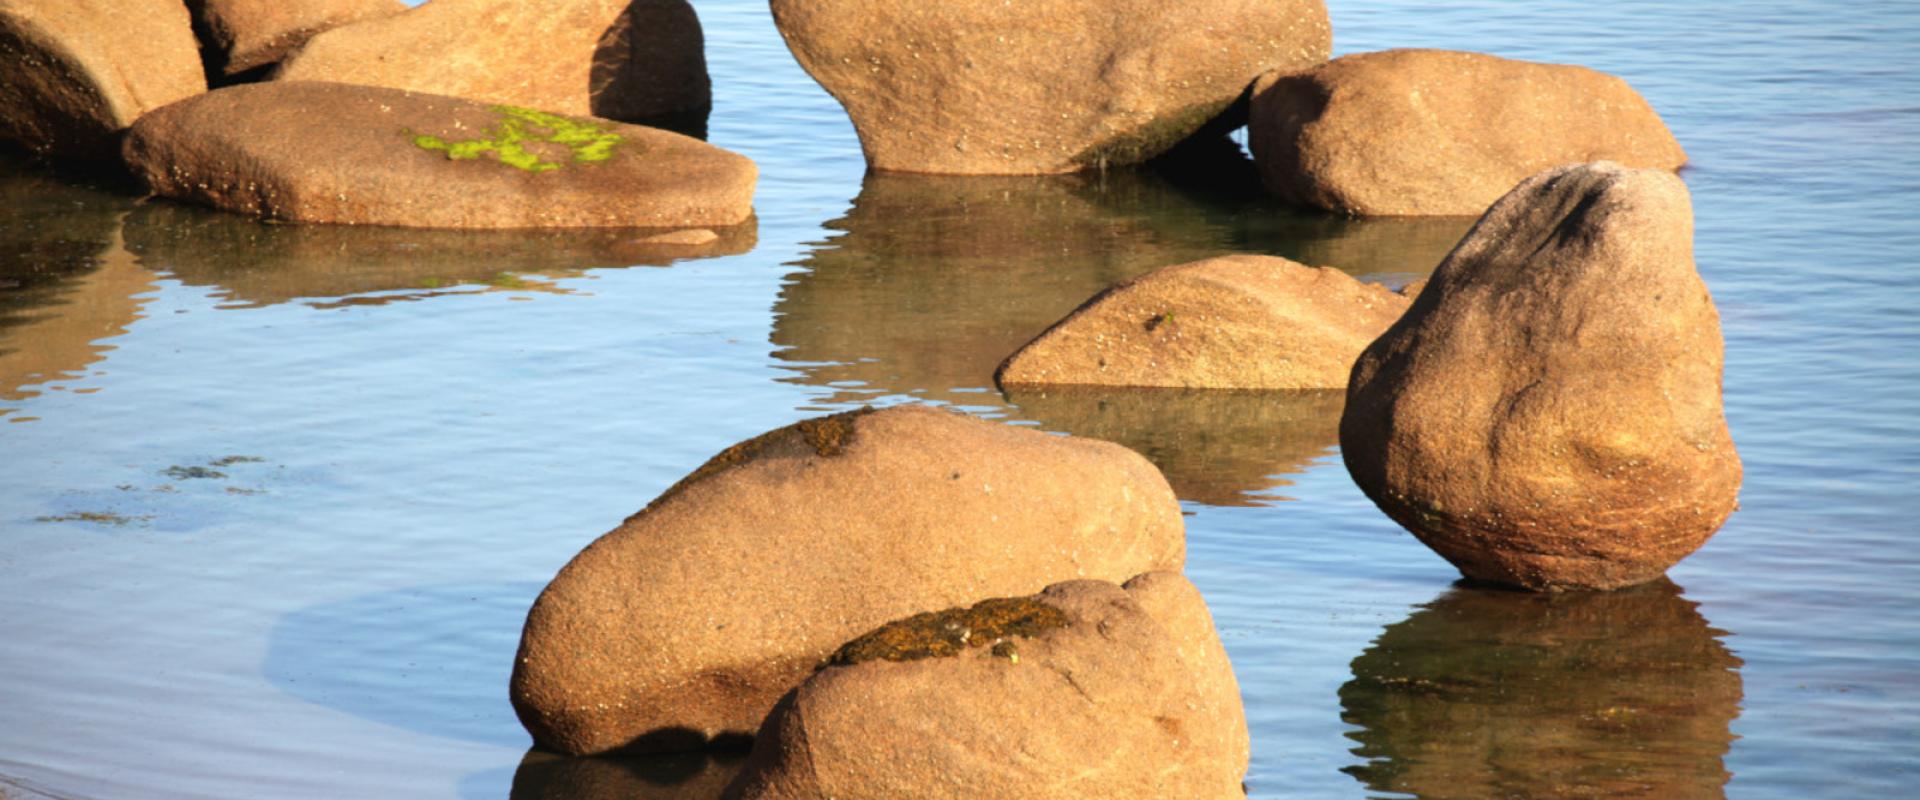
(937, 634)
(518, 127)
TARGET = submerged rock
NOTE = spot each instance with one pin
(1085, 690)
(1043, 86)
(1405, 132)
(328, 152)
(75, 73)
(618, 59)
(689, 621)
(1548, 412)
(1235, 322)
(248, 34)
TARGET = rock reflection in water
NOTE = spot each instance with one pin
(66, 284)
(1221, 448)
(933, 280)
(681, 776)
(1489, 693)
(257, 263)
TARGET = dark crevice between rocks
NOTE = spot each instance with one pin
(938, 634)
(827, 436)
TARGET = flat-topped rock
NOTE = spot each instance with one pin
(1042, 86)
(1235, 322)
(75, 73)
(617, 59)
(1410, 132)
(324, 152)
(248, 34)
(685, 625)
(1547, 414)
(1085, 690)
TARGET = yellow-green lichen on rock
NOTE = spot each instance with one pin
(937, 634)
(520, 126)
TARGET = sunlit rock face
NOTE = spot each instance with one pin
(1493, 693)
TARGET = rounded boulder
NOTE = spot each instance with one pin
(75, 73)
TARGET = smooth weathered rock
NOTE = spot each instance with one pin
(1044, 86)
(1490, 693)
(1234, 322)
(691, 619)
(618, 59)
(1085, 690)
(1548, 412)
(247, 34)
(329, 152)
(75, 73)
(1407, 132)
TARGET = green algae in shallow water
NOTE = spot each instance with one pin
(937, 634)
(588, 142)
(96, 517)
(192, 473)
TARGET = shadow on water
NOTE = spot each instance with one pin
(930, 281)
(432, 659)
(257, 263)
(1221, 448)
(685, 776)
(1489, 693)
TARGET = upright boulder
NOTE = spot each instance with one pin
(1548, 414)
(1085, 690)
(1411, 132)
(685, 625)
(249, 34)
(1042, 86)
(618, 59)
(1234, 322)
(328, 152)
(75, 73)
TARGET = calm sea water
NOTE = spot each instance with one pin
(274, 500)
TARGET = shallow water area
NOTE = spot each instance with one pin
(274, 500)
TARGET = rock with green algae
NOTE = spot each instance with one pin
(1088, 690)
(325, 152)
(689, 621)
(75, 73)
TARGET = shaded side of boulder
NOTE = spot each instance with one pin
(326, 152)
(1235, 322)
(75, 73)
(1411, 132)
(618, 59)
(1548, 412)
(685, 625)
(1044, 86)
(242, 35)
(1107, 691)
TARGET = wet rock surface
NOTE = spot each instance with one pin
(1411, 132)
(1548, 412)
(1234, 322)
(327, 152)
(687, 623)
(1041, 87)
(1120, 692)
(75, 73)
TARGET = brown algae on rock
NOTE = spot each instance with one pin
(586, 141)
(827, 436)
(937, 634)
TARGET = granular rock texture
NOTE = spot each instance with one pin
(329, 152)
(1120, 692)
(75, 73)
(689, 621)
(618, 59)
(1042, 86)
(1408, 132)
(247, 34)
(1235, 322)
(1548, 413)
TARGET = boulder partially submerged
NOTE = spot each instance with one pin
(1410, 132)
(687, 623)
(1548, 413)
(75, 73)
(326, 152)
(1042, 86)
(248, 34)
(618, 59)
(1085, 690)
(1234, 322)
